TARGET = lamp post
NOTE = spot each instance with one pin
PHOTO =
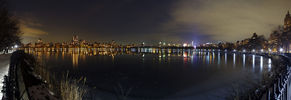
(281, 50)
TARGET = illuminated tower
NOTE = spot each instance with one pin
(39, 41)
(75, 39)
(287, 22)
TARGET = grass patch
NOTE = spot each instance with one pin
(64, 87)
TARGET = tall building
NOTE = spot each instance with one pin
(287, 22)
(39, 41)
(75, 40)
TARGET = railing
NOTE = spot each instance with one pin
(282, 87)
(11, 88)
(21, 81)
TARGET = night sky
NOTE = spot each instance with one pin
(147, 20)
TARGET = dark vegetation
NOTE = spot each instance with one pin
(9, 28)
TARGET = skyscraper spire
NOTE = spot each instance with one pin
(288, 14)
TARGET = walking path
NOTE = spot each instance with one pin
(4, 65)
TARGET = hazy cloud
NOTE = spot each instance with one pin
(150, 20)
(31, 28)
(228, 20)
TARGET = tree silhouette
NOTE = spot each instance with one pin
(9, 28)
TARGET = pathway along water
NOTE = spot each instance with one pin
(177, 76)
(4, 66)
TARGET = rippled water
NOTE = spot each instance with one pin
(186, 75)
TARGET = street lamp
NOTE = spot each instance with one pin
(185, 44)
(281, 49)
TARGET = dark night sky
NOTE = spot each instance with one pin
(147, 20)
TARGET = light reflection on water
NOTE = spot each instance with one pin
(164, 55)
(173, 68)
(254, 59)
(188, 57)
(234, 59)
(225, 58)
(75, 59)
(218, 62)
(244, 60)
(261, 64)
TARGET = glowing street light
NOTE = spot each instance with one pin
(185, 44)
(244, 50)
(281, 50)
(253, 50)
(16, 46)
(262, 50)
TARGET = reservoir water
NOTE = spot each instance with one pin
(183, 75)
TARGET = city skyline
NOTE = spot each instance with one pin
(145, 49)
(276, 40)
(149, 21)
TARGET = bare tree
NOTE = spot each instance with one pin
(9, 28)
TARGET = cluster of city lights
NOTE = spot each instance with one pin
(254, 50)
(15, 46)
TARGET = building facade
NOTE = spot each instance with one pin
(75, 40)
(287, 22)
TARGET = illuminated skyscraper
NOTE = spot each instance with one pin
(287, 22)
(75, 40)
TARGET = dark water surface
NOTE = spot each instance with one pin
(186, 75)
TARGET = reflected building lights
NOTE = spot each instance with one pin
(254, 62)
(207, 58)
(75, 59)
(112, 57)
(269, 64)
(234, 56)
(225, 58)
(218, 62)
(261, 64)
(213, 58)
(163, 56)
(47, 55)
(63, 55)
(210, 57)
(185, 58)
(192, 57)
(160, 58)
(56, 55)
(244, 60)
(203, 57)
